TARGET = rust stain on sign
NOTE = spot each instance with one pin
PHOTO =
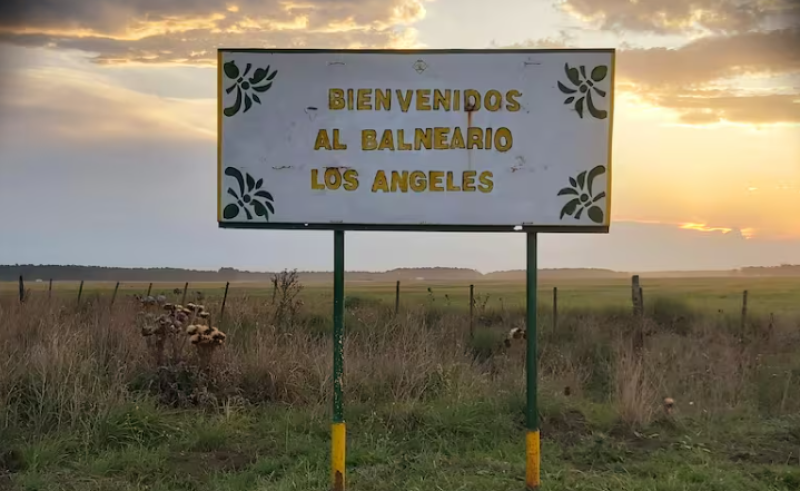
(469, 108)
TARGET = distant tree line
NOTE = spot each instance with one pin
(100, 273)
(33, 272)
(782, 270)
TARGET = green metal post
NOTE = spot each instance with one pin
(532, 442)
(338, 427)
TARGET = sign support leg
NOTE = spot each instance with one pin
(532, 448)
(338, 426)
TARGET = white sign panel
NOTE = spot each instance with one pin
(407, 140)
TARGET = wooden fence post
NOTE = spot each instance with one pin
(224, 300)
(185, 288)
(555, 308)
(80, 292)
(638, 339)
(743, 328)
(149, 289)
(635, 299)
(50, 289)
(742, 332)
(397, 298)
(114, 296)
(21, 289)
(471, 312)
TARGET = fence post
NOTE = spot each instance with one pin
(397, 298)
(555, 308)
(149, 289)
(114, 296)
(224, 300)
(50, 289)
(744, 317)
(742, 332)
(21, 289)
(471, 312)
(80, 292)
(635, 299)
(185, 288)
(638, 339)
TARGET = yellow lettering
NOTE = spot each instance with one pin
(423, 99)
(450, 184)
(315, 184)
(436, 180)
(423, 138)
(387, 141)
(475, 137)
(350, 97)
(468, 180)
(333, 178)
(402, 144)
(441, 100)
(350, 180)
(400, 181)
(458, 139)
(456, 100)
(472, 100)
(513, 104)
(418, 182)
(405, 102)
(503, 139)
(486, 180)
(440, 138)
(335, 99)
(380, 183)
(492, 100)
(322, 140)
(383, 99)
(369, 139)
(364, 100)
(337, 145)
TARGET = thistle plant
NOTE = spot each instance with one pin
(206, 339)
(174, 326)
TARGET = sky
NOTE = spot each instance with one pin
(108, 129)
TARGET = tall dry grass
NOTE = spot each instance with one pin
(66, 366)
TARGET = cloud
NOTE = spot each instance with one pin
(714, 58)
(73, 104)
(681, 16)
(691, 79)
(694, 79)
(189, 31)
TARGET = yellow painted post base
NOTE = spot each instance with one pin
(532, 460)
(337, 455)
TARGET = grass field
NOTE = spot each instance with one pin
(765, 294)
(84, 406)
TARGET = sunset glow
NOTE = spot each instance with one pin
(706, 137)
